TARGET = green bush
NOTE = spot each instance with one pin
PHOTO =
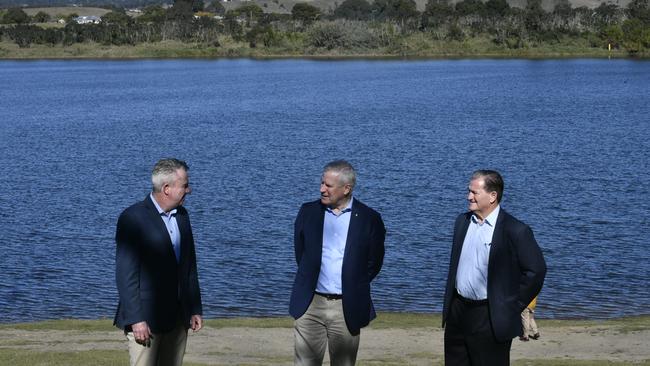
(341, 34)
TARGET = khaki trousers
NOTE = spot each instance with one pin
(166, 349)
(323, 326)
(528, 322)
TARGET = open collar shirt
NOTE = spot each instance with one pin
(169, 218)
(335, 234)
(472, 274)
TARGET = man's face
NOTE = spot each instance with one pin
(178, 189)
(480, 201)
(332, 192)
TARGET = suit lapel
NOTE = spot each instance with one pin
(154, 216)
(497, 237)
(319, 224)
(184, 229)
(461, 231)
(353, 229)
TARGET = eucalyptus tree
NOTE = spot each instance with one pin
(562, 15)
(15, 16)
(353, 10)
(41, 17)
(305, 13)
(403, 12)
(639, 9)
(497, 8)
(437, 13)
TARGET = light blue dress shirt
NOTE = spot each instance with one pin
(335, 234)
(472, 273)
(169, 218)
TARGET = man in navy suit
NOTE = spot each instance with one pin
(496, 269)
(339, 247)
(155, 270)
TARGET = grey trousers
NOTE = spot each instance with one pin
(323, 325)
(528, 322)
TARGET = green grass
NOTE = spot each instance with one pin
(557, 362)
(406, 320)
(65, 324)
(624, 324)
(18, 352)
(22, 357)
(279, 322)
(383, 321)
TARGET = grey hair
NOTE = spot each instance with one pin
(164, 172)
(492, 181)
(346, 172)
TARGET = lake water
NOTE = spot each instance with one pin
(78, 140)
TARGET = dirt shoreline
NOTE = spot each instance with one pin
(250, 345)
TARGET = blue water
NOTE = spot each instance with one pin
(78, 140)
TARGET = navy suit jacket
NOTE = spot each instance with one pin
(152, 286)
(362, 261)
(516, 271)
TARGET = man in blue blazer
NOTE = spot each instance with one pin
(496, 269)
(339, 248)
(155, 270)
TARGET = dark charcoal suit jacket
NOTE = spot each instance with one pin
(516, 271)
(152, 286)
(362, 261)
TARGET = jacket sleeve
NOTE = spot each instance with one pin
(127, 269)
(377, 250)
(196, 306)
(298, 235)
(531, 264)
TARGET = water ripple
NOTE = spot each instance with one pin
(565, 134)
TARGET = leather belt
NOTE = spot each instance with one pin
(329, 296)
(471, 302)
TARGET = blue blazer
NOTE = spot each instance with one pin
(151, 285)
(362, 261)
(516, 271)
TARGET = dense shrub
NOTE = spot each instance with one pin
(345, 34)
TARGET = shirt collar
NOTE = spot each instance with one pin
(491, 219)
(160, 210)
(347, 208)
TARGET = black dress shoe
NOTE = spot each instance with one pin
(535, 336)
(523, 339)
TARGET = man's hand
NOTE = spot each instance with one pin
(142, 333)
(196, 323)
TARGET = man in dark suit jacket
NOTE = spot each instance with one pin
(155, 270)
(496, 269)
(339, 248)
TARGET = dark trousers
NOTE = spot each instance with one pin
(469, 339)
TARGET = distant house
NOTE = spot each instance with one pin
(87, 19)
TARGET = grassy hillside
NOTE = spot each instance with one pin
(269, 6)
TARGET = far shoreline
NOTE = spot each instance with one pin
(172, 50)
(337, 58)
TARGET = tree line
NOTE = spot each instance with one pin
(352, 25)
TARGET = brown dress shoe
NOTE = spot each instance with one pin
(523, 339)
